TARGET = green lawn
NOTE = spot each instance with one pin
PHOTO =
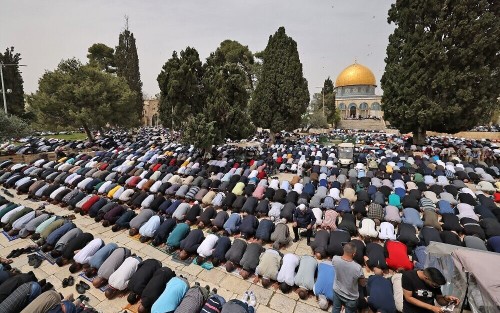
(74, 136)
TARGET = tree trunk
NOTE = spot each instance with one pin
(88, 132)
(272, 137)
(419, 137)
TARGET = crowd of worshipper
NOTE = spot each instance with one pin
(232, 211)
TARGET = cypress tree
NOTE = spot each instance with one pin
(281, 95)
(127, 63)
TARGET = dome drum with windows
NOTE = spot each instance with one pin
(355, 93)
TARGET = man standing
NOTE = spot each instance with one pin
(303, 218)
(348, 274)
(421, 288)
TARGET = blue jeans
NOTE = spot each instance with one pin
(35, 291)
(350, 305)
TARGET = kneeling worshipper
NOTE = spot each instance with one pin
(221, 247)
(60, 243)
(155, 288)
(190, 244)
(234, 254)
(110, 265)
(286, 274)
(206, 248)
(164, 231)
(320, 243)
(250, 259)
(380, 293)
(149, 229)
(172, 296)
(47, 302)
(83, 256)
(269, 266)
(397, 256)
(74, 245)
(180, 232)
(323, 286)
(20, 297)
(141, 218)
(118, 281)
(281, 235)
(305, 275)
(141, 278)
(11, 284)
(193, 300)
(98, 259)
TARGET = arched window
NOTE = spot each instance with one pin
(376, 106)
(363, 106)
(342, 106)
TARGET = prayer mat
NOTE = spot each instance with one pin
(136, 237)
(175, 257)
(162, 249)
(206, 265)
(132, 308)
(47, 257)
(9, 238)
(103, 288)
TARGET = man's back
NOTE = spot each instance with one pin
(346, 278)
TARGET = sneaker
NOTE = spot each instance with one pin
(245, 297)
(253, 299)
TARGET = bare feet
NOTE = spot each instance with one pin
(5, 261)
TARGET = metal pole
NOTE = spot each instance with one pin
(323, 93)
(3, 89)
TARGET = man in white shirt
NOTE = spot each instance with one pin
(118, 281)
(286, 275)
(206, 248)
(83, 256)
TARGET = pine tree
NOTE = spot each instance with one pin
(127, 63)
(281, 96)
(13, 82)
(442, 65)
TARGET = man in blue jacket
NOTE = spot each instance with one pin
(303, 218)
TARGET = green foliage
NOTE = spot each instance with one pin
(227, 99)
(102, 57)
(181, 86)
(332, 114)
(281, 96)
(327, 86)
(12, 126)
(199, 131)
(315, 119)
(127, 63)
(442, 65)
(83, 96)
(231, 51)
(13, 81)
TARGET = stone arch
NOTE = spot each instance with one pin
(376, 106)
(342, 106)
(352, 110)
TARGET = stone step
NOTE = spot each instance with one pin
(367, 124)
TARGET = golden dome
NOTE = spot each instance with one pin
(356, 74)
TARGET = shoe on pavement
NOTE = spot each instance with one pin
(245, 297)
(253, 299)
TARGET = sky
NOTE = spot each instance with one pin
(330, 34)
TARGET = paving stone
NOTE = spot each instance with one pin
(281, 303)
(311, 300)
(213, 276)
(237, 285)
(265, 309)
(301, 307)
(193, 269)
(262, 294)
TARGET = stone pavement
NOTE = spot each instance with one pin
(229, 286)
